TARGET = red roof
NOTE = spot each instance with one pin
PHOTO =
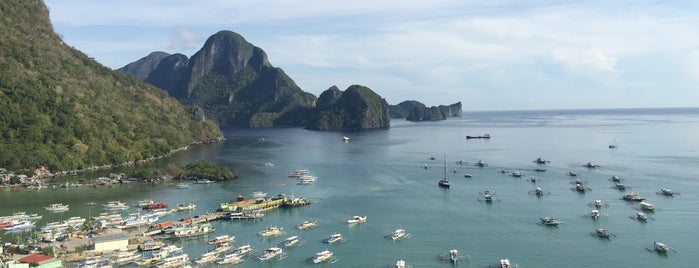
(35, 258)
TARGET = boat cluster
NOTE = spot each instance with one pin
(303, 176)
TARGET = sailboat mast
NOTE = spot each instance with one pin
(445, 166)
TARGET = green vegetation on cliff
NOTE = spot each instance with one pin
(63, 110)
(356, 108)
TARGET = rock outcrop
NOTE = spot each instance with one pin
(416, 111)
(356, 108)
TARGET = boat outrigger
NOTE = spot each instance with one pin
(272, 253)
(541, 161)
(488, 197)
(272, 231)
(598, 204)
(538, 191)
(323, 256)
(647, 206)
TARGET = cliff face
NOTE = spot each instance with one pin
(62, 109)
(142, 67)
(356, 108)
(233, 81)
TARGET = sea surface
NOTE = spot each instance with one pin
(389, 176)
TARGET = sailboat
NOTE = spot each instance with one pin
(613, 145)
(444, 182)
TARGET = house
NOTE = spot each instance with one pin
(110, 242)
(41, 261)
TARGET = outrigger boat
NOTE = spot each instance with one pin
(541, 161)
(221, 239)
(580, 187)
(356, 219)
(336, 237)
(505, 263)
(291, 241)
(480, 163)
(453, 257)
(516, 174)
(243, 250)
(667, 192)
(594, 214)
(548, 221)
(572, 173)
(632, 197)
(661, 248)
(539, 191)
(57, 208)
(488, 197)
(207, 257)
(616, 178)
(400, 264)
(323, 256)
(620, 186)
(232, 259)
(598, 204)
(590, 165)
(399, 234)
(272, 231)
(306, 225)
(603, 233)
(640, 216)
(647, 206)
(272, 253)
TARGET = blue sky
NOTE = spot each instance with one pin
(488, 54)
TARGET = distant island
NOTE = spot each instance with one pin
(234, 84)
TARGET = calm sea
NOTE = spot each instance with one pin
(381, 174)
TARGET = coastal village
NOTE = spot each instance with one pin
(113, 239)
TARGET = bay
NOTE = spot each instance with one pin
(381, 174)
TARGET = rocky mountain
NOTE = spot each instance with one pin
(233, 81)
(416, 111)
(356, 108)
(142, 67)
(63, 110)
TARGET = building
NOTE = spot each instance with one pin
(40, 261)
(111, 242)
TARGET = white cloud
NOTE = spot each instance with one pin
(183, 39)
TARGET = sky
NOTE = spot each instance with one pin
(488, 54)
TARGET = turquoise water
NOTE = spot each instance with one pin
(380, 174)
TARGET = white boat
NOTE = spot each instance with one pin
(182, 185)
(174, 261)
(57, 208)
(136, 220)
(356, 219)
(203, 181)
(640, 216)
(307, 179)
(298, 173)
(186, 206)
(243, 250)
(258, 194)
(145, 202)
(647, 206)
(594, 214)
(221, 248)
(323, 256)
(336, 237)
(603, 233)
(207, 257)
(590, 165)
(290, 241)
(345, 139)
(125, 257)
(453, 255)
(271, 253)
(505, 263)
(516, 174)
(667, 192)
(222, 239)
(115, 205)
(272, 231)
(400, 264)
(22, 225)
(540, 161)
(398, 234)
(306, 225)
(232, 259)
(444, 182)
(572, 173)
(480, 163)
(548, 221)
(193, 230)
